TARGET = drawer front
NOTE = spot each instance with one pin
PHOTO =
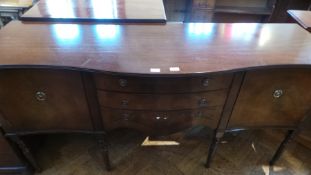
(161, 85)
(38, 99)
(161, 101)
(160, 122)
(8, 158)
(273, 98)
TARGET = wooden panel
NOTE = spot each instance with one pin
(194, 48)
(162, 84)
(97, 11)
(256, 105)
(201, 16)
(242, 3)
(60, 104)
(8, 159)
(239, 18)
(203, 4)
(161, 101)
(160, 122)
(175, 10)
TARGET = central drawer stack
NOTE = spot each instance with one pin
(161, 106)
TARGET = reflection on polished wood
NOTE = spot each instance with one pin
(302, 17)
(16, 3)
(155, 49)
(97, 10)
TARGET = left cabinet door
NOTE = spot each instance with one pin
(9, 161)
(35, 100)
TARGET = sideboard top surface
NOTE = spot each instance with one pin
(172, 48)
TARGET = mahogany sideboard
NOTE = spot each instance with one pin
(158, 79)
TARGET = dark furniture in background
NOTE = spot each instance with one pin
(232, 11)
(104, 11)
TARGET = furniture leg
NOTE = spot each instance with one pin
(25, 150)
(212, 148)
(104, 150)
(289, 136)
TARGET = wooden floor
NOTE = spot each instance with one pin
(242, 153)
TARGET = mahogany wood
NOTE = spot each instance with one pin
(161, 101)
(256, 105)
(110, 11)
(64, 106)
(162, 84)
(138, 49)
(160, 122)
(77, 68)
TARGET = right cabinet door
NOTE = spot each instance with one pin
(272, 98)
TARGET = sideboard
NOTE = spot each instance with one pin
(157, 79)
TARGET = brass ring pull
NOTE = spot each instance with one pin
(203, 102)
(278, 93)
(40, 96)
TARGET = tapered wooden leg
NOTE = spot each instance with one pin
(289, 136)
(104, 149)
(212, 148)
(26, 152)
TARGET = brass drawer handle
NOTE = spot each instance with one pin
(205, 82)
(161, 117)
(123, 82)
(124, 103)
(278, 93)
(203, 102)
(40, 96)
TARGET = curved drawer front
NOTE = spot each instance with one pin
(162, 84)
(159, 122)
(161, 101)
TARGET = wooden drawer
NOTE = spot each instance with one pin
(161, 101)
(272, 98)
(38, 99)
(160, 122)
(163, 84)
(9, 161)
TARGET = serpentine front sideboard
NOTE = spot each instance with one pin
(158, 79)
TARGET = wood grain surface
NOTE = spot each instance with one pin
(155, 49)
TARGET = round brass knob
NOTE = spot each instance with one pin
(40, 96)
(123, 82)
(205, 82)
(278, 93)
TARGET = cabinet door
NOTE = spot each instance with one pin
(38, 99)
(272, 98)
